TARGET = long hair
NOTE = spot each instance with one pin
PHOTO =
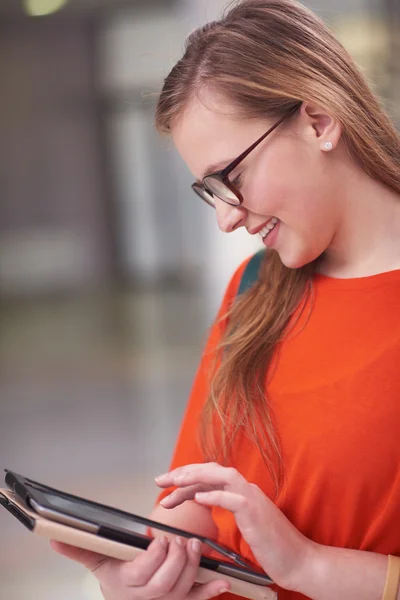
(265, 56)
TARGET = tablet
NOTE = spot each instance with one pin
(106, 530)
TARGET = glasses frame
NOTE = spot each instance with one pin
(223, 174)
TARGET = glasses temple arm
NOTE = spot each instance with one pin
(242, 156)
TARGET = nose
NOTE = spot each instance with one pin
(229, 217)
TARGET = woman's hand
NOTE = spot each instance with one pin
(166, 571)
(281, 550)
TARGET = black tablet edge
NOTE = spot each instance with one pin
(142, 541)
(26, 520)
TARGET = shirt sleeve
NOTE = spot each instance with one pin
(187, 449)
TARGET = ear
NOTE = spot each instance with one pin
(324, 127)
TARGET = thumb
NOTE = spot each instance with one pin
(90, 560)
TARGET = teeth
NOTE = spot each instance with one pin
(269, 227)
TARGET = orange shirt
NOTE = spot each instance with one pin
(335, 393)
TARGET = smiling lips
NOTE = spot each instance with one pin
(266, 229)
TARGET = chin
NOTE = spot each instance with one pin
(296, 260)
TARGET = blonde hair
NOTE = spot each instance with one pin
(266, 56)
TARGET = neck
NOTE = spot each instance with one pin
(367, 239)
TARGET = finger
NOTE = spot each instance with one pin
(188, 576)
(165, 578)
(165, 480)
(112, 572)
(235, 503)
(90, 560)
(208, 473)
(209, 590)
(180, 495)
(184, 585)
(138, 572)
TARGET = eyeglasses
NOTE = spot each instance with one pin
(218, 183)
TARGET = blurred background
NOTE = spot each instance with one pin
(110, 269)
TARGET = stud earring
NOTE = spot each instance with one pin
(328, 145)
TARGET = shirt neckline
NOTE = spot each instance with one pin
(358, 282)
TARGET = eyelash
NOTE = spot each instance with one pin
(238, 182)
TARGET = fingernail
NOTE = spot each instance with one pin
(223, 590)
(201, 496)
(160, 477)
(164, 541)
(179, 541)
(196, 546)
(165, 500)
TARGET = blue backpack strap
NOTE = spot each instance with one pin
(250, 274)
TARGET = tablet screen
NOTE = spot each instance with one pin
(95, 514)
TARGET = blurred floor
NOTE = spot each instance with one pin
(92, 391)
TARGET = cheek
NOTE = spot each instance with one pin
(275, 180)
(291, 187)
(290, 196)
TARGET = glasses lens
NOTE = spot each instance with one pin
(217, 187)
(204, 194)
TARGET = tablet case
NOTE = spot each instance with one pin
(89, 541)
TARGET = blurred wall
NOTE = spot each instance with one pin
(53, 221)
(137, 50)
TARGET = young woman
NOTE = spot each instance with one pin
(297, 398)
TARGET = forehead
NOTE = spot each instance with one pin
(210, 132)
